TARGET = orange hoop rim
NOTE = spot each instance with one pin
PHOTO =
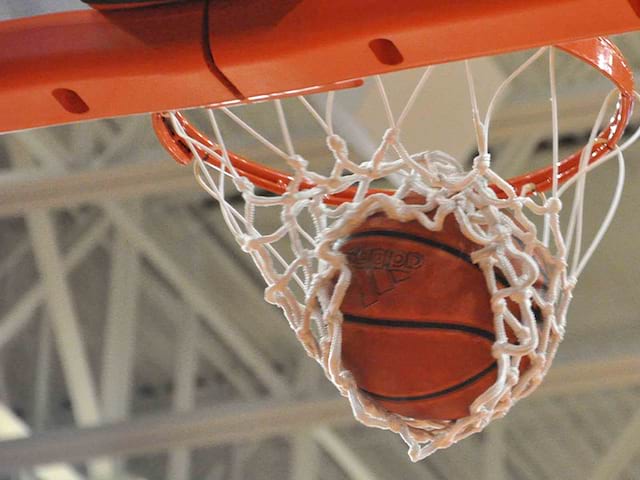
(598, 52)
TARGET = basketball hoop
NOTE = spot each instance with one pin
(528, 276)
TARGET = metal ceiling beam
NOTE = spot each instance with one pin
(267, 329)
(61, 308)
(586, 376)
(69, 340)
(120, 331)
(208, 346)
(343, 454)
(13, 427)
(197, 298)
(66, 328)
(521, 462)
(236, 277)
(217, 425)
(553, 454)
(24, 191)
(591, 421)
(573, 438)
(42, 384)
(528, 439)
(210, 350)
(85, 138)
(495, 451)
(423, 470)
(515, 155)
(23, 310)
(621, 451)
(239, 459)
(184, 381)
(448, 464)
(119, 337)
(518, 115)
(303, 457)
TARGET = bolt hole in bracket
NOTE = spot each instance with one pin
(70, 100)
(386, 51)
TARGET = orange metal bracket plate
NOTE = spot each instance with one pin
(263, 47)
(117, 63)
(82, 65)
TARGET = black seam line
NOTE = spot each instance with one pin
(439, 393)
(208, 56)
(433, 243)
(383, 322)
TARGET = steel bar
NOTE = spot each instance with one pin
(120, 330)
(184, 381)
(20, 314)
(621, 451)
(254, 359)
(495, 453)
(24, 191)
(13, 427)
(237, 422)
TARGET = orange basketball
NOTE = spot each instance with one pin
(418, 326)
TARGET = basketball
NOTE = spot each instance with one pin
(418, 326)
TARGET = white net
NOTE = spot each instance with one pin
(521, 247)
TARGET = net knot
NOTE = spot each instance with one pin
(554, 205)
(271, 293)
(503, 233)
(249, 243)
(396, 424)
(513, 376)
(521, 295)
(546, 309)
(498, 305)
(297, 162)
(336, 143)
(289, 199)
(243, 184)
(441, 163)
(346, 380)
(391, 135)
(482, 162)
(484, 415)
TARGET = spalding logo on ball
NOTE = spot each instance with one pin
(418, 325)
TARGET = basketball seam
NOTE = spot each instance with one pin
(439, 393)
(385, 322)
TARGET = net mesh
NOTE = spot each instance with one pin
(522, 251)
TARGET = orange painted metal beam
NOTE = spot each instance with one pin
(82, 65)
(116, 63)
(264, 47)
